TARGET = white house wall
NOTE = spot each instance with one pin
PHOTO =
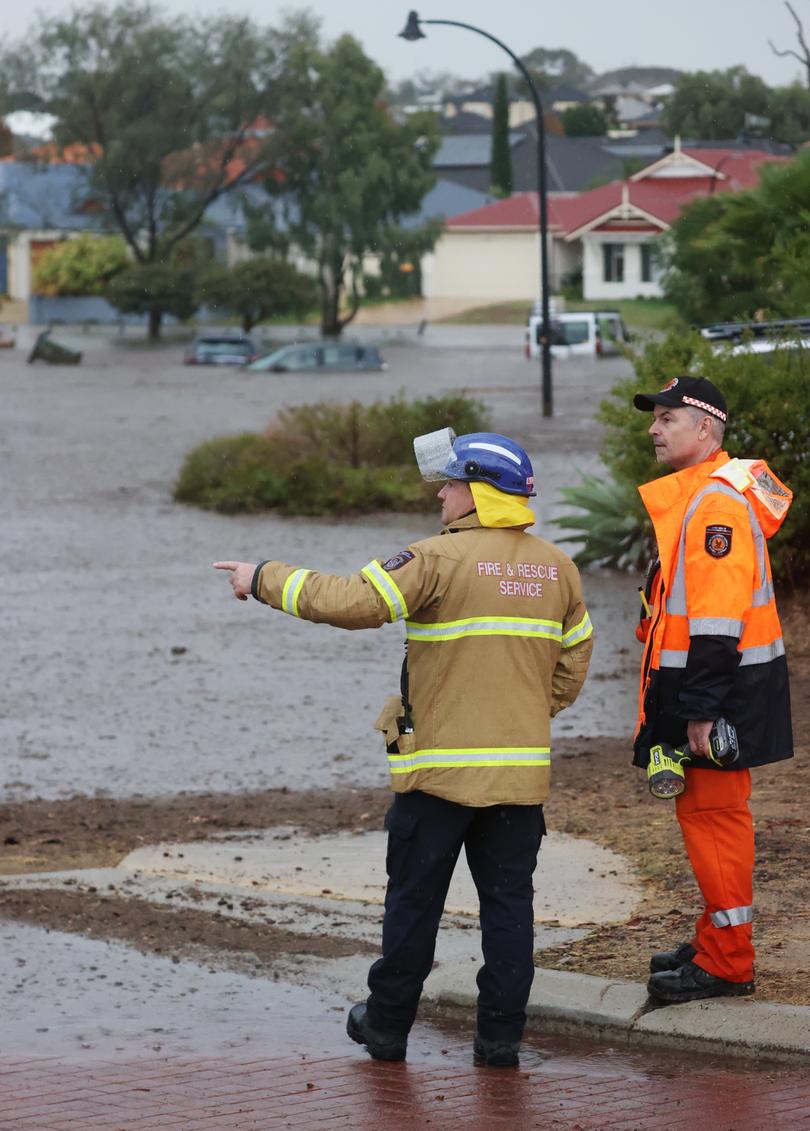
(19, 261)
(594, 285)
(491, 266)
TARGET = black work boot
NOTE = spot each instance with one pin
(379, 1044)
(672, 959)
(691, 983)
(495, 1054)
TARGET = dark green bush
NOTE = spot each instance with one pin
(768, 398)
(326, 458)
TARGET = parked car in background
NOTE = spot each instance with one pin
(320, 357)
(221, 349)
(786, 335)
(589, 333)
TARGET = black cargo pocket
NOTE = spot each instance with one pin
(400, 827)
(543, 830)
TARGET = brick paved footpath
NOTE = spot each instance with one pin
(589, 1089)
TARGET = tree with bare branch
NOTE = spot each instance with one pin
(803, 56)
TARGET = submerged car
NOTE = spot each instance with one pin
(320, 357)
(590, 333)
(221, 349)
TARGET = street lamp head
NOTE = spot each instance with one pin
(412, 31)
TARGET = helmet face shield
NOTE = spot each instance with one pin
(434, 454)
(480, 457)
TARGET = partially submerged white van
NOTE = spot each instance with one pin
(588, 333)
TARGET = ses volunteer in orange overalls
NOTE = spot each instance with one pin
(712, 648)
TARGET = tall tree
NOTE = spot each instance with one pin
(714, 104)
(737, 253)
(345, 172)
(803, 54)
(554, 66)
(166, 109)
(500, 164)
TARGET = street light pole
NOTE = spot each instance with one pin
(413, 31)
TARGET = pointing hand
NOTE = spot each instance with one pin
(241, 578)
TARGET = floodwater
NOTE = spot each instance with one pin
(129, 667)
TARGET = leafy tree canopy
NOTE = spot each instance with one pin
(346, 172)
(716, 104)
(554, 66)
(732, 255)
(166, 108)
(584, 121)
(149, 288)
(258, 289)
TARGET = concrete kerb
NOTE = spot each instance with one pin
(333, 882)
(569, 1003)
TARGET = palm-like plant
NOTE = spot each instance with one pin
(612, 524)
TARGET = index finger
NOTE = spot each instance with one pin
(226, 565)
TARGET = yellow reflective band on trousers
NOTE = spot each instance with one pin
(484, 626)
(292, 590)
(578, 633)
(469, 757)
(388, 590)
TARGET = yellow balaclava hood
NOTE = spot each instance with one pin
(497, 508)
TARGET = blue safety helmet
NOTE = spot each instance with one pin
(488, 457)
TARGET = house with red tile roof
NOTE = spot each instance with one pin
(493, 253)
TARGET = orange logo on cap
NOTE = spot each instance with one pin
(670, 385)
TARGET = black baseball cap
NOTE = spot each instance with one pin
(686, 392)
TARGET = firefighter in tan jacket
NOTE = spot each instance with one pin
(498, 641)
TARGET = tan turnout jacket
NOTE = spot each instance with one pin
(499, 641)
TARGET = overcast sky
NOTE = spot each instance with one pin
(687, 34)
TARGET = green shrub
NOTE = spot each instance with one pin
(81, 266)
(325, 458)
(767, 397)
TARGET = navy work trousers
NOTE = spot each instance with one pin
(425, 836)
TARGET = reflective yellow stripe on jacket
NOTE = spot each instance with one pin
(500, 626)
(484, 626)
(388, 590)
(470, 756)
(292, 590)
(578, 633)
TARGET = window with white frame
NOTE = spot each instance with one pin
(647, 264)
(613, 262)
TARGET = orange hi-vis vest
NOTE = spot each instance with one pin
(713, 642)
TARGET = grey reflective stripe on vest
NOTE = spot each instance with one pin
(676, 601)
(715, 626)
(732, 916)
(762, 596)
(673, 658)
(762, 653)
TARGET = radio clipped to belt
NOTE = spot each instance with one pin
(395, 720)
(665, 770)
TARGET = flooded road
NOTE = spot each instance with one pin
(130, 670)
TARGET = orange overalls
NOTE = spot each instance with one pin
(713, 646)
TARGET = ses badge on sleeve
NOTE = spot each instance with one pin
(398, 560)
(718, 541)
